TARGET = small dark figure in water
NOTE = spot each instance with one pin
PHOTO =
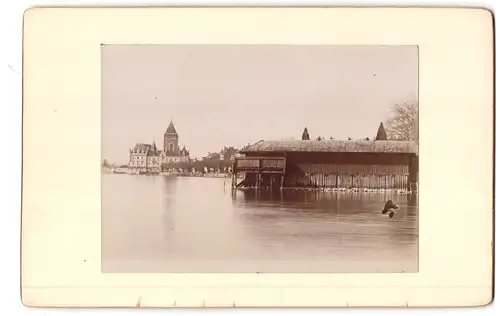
(390, 206)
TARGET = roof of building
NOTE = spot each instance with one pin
(171, 129)
(142, 147)
(146, 149)
(359, 146)
(184, 152)
(172, 153)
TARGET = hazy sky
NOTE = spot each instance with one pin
(232, 95)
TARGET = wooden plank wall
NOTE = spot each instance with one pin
(247, 163)
(264, 163)
(353, 169)
(273, 163)
(348, 176)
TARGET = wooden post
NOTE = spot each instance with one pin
(282, 181)
(413, 173)
(257, 177)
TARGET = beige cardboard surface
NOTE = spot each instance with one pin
(61, 155)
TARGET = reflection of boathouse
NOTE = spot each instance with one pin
(378, 164)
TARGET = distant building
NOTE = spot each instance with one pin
(145, 158)
(148, 158)
(171, 151)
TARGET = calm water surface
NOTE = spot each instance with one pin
(167, 224)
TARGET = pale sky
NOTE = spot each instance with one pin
(232, 95)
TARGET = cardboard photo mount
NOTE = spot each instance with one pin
(61, 263)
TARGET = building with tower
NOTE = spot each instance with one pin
(172, 153)
(148, 158)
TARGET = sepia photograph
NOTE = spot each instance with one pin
(206, 160)
(259, 158)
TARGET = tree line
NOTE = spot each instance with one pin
(215, 160)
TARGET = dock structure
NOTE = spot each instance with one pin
(364, 164)
(260, 172)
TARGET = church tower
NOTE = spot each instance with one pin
(171, 141)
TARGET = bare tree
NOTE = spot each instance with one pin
(402, 124)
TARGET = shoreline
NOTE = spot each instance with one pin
(312, 189)
(166, 174)
(341, 190)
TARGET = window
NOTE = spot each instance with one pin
(171, 146)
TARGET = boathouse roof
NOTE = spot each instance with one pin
(348, 146)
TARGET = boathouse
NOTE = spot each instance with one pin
(363, 164)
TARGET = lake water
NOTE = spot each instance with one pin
(160, 224)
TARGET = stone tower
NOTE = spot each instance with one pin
(171, 141)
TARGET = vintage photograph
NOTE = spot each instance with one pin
(259, 159)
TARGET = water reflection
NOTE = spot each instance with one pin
(169, 190)
(168, 224)
(326, 224)
(320, 201)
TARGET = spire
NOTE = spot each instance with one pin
(305, 134)
(171, 129)
(154, 145)
(381, 134)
